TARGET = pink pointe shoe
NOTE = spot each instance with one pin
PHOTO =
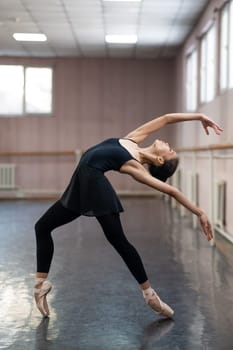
(158, 305)
(40, 294)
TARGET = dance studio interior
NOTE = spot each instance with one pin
(76, 75)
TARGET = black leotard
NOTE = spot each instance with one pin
(89, 191)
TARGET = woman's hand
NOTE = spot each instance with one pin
(207, 122)
(206, 227)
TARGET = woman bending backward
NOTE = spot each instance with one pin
(90, 193)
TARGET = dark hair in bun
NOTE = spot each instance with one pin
(164, 171)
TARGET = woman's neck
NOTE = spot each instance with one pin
(146, 155)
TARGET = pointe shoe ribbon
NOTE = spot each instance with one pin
(40, 296)
(158, 305)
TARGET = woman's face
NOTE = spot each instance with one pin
(163, 149)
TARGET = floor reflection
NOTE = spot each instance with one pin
(155, 331)
(41, 335)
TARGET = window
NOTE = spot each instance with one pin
(25, 90)
(38, 90)
(224, 48)
(11, 89)
(191, 81)
(208, 47)
(226, 55)
(231, 46)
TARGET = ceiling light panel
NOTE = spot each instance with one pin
(29, 37)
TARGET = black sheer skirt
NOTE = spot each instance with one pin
(90, 193)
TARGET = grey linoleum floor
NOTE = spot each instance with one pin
(95, 302)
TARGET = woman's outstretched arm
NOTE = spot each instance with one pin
(143, 131)
(140, 174)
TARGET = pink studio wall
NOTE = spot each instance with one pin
(220, 109)
(93, 99)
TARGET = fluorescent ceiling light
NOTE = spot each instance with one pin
(123, 0)
(121, 39)
(29, 37)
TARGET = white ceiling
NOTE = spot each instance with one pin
(78, 27)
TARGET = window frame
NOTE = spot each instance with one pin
(229, 65)
(204, 41)
(25, 113)
(226, 8)
(230, 45)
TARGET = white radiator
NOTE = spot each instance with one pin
(220, 204)
(7, 176)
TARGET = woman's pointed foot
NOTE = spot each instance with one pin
(42, 288)
(153, 300)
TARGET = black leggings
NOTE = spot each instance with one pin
(57, 215)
